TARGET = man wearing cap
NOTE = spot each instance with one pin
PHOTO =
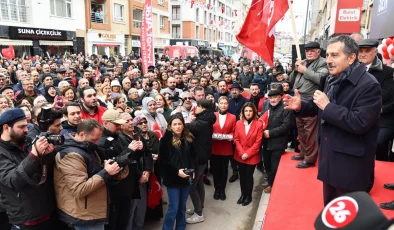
(26, 185)
(60, 74)
(279, 76)
(384, 75)
(81, 178)
(308, 76)
(275, 135)
(111, 145)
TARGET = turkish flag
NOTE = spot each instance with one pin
(8, 53)
(257, 32)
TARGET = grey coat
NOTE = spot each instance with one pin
(311, 80)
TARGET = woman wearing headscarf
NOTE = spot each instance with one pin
(50, 93)
(156, 121)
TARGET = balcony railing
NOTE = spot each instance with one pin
(137, 24)
(97, 17)
(176, 17)
(13, 12)
(175, 35)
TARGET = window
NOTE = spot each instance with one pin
(176, 31)
(11, 10)
(61, 8)
(137, 18)
(197, 32)
(162, 19)
(118, 12)
(160, 2)
(176, 12)
(197, 15)
(205, 17)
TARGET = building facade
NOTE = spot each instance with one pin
(42, 27)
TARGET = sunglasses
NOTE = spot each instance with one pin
(188, 98)
(143, 123)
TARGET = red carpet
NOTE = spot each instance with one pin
(297, 196)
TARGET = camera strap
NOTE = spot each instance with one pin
(44, 171)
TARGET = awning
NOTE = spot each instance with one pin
(106, 45)
(9, 42)
(55, 43)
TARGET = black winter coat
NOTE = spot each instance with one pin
(246, 79)
(202, 130)
(20, 173)
(384, 75)
(235, 106)
(348, 131)
(171, 159)
(280, 122)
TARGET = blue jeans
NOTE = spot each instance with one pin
(90, 227)
(177, 198)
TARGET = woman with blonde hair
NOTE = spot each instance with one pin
(247, 137)
(178, 159)
(104, 94)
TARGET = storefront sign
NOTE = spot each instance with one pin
(220, 44)
(108, 37)
(105, 37)
(382, 19)
(36, 33)
(346, 17)
(135, 43)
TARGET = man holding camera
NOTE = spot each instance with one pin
(47, 120)
(172, 91)
(26, 184)
(80, 180)
(111, 146)
(147, 90)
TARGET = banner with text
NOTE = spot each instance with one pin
(146, 38)
(346, 17)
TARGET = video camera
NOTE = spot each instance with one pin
(174, 98)
(44, 123)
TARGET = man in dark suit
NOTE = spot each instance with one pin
(348, 120)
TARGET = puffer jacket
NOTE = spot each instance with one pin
(202, 130)
(80, 184)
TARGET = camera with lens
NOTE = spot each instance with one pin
(174, 98)
(44, 123)
(122, 160)
(189, 172)
(150, 85)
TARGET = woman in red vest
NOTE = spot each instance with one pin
(222, 147)
(247, 137)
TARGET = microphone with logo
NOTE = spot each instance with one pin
(353, 211)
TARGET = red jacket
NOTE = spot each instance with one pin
(223, 147)
(249, 144)
(97, 116)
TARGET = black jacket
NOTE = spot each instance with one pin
(384, 75)
(117, 147)
(235, 105)
(171, 159)
(246, 79)
(20, 173)
(280, 122)
(217, 95)
(67, 128)
(202, 130)
(262, 80)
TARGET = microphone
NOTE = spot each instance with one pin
(352, 211)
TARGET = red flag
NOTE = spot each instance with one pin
(264, 119)
(235, 12)
(208, 6)
(8, 53)
(222, 9)
(146, 37)
(211, 21)
(257, 32)
(192, 3)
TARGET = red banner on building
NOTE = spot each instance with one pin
(346, 17)
(146, 37)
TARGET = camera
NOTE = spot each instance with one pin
(189, 172)
(124, 160)
(174, 98)
(150, 85)
(44, 123)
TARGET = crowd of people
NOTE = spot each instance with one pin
(85, 138)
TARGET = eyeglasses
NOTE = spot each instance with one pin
(188, 98)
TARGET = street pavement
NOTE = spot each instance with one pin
(222, 214)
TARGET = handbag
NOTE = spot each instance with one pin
(155, 193)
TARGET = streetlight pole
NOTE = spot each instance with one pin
(306, 20)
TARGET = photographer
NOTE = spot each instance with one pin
(80, 180)
(26, 186)
(172, 91)
(111, 146)
(51, 124)
(147, 90)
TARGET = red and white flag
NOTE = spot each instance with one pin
(146, 37)
(257, 32)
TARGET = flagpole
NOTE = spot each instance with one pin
(296, 40)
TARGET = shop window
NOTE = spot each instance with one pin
(12, 10)
(118, 12)
(98, 13)
(61, 8)
(137, 18)
(162, 21)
